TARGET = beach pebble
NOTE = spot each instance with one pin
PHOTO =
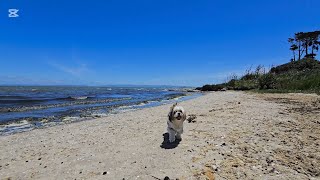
(272, 170)
(214, 167)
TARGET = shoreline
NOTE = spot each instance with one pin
(29, 124)
(235, 135)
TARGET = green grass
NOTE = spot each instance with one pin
(299, 76)
(299, 80)
(284, 91)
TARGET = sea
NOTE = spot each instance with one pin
(24, 108)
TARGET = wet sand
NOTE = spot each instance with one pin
(235, 135)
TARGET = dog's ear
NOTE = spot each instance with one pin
(170, 115)
(184, 116)
(172, 107)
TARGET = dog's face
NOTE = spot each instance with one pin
(177, 113)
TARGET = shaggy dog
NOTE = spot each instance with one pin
(177, 116)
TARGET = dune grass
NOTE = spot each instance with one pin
(297, 76)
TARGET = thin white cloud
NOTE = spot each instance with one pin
(78, 70)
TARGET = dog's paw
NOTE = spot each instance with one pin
(171, 140)
(178, 137)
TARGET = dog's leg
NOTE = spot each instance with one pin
(172, 135)
(179, 134)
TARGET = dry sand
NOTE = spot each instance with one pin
(235, 135)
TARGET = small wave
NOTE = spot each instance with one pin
(17, 99)
(15, 127)
(78, 97)
(22, 99)
(70, 119)
(74, 102)
(142, 103)
(174, 96)
(13, 97)
(97, 115)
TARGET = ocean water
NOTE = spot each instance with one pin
(23, 108)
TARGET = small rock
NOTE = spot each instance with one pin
(214, 167)
(166, 178)
(272, 170)
(104, 173)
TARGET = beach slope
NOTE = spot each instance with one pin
(234, 135)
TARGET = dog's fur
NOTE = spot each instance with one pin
(177, 116)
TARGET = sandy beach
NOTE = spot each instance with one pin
(235, 135)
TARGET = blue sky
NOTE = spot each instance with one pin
(149, 42)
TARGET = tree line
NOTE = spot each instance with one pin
(302, 43)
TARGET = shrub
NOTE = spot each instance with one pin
(231, 83)
(214, 87)
(245, 85)
(267, 81)
(301, 65)
(294, 76)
